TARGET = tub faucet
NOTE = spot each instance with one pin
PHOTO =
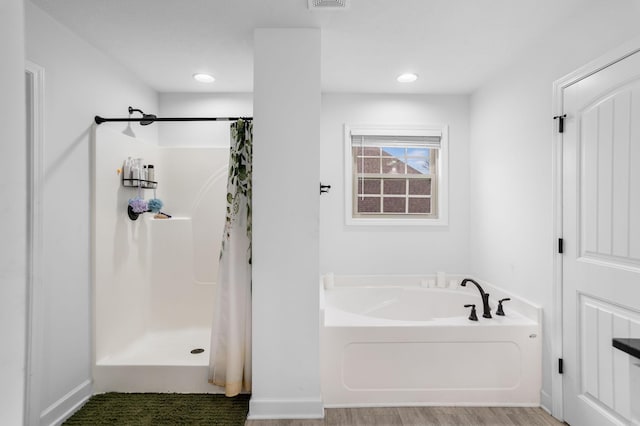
(486, 310)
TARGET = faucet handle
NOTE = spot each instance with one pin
(472, 316)
(500, 311)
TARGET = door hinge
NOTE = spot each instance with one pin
(560, 119)
(560, 366)
(560, 245)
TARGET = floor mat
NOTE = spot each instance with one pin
(146, 409)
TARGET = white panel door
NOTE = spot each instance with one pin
(601, 226)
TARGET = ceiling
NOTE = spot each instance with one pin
(453, 45)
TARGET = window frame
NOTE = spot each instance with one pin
(440, 199)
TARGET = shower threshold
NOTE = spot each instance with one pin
(159, 361)
(166, 347)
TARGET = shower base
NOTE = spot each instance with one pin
(159, 361)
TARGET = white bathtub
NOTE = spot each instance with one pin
(403, 344)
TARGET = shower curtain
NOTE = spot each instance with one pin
(230, 355)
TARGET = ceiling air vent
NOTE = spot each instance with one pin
(328, 4)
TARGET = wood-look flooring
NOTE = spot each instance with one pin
(423, 416)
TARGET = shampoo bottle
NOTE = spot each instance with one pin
(135, 171)
(126, 171)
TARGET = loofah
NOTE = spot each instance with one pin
(138, 205)
(154, 205)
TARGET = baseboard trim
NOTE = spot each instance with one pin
(545, 401)
(63, 408)
(432, 404)
(261, 409)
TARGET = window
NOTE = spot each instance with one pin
(396, 175)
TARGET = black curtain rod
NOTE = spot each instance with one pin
(149, 120)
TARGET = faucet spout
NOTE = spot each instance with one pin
(486, 309)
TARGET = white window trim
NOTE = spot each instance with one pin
(442, 173)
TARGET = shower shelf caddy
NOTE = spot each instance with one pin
(137, 183)
(140, 183)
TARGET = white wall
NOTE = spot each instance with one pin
(80, 82)
(13, 214)
(194, 133)
(286, 368)
(387, 249)
(512, 241)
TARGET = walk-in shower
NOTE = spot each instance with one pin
(154, 278)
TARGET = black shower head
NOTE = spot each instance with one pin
(146, 118)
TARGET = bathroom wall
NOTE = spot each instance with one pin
(386, 249)
(512, 241)
(13, 214)
(80, 82)
(201, 105)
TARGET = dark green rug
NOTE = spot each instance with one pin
(146, 409)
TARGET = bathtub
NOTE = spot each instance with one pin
(394, 341)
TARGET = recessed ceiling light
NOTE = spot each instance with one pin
(407, 77)
(328, 4)
(204, 78)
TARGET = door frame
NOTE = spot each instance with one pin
(35, 173)
(615, 55)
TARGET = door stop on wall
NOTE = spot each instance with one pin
(324, 189)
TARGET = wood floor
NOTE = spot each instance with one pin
(423, 416)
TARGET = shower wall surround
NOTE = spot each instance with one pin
(153, 276)
(121, 248)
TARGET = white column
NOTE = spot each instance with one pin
(286, 370)
(13, 213)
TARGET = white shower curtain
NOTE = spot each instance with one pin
(230, 356)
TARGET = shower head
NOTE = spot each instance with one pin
(146, 118)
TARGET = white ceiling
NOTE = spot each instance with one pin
(454, 45)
